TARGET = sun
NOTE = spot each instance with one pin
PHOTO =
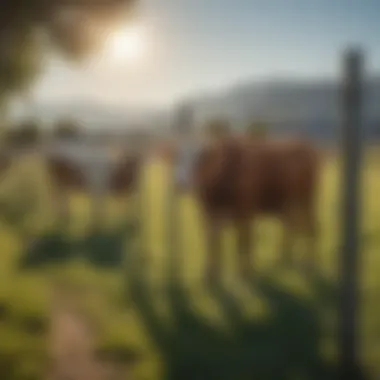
(127, 45)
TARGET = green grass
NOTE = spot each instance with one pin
(279, 325)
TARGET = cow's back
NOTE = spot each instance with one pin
(247, 177)
(284, 174)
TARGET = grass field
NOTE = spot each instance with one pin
(279, 325)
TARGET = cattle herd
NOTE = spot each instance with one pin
(233, 178)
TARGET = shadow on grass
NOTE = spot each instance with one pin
(51, 248)
(285, 345)
(104, 249)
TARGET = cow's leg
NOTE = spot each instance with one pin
(244, 247)
(98, 210)
(309, 225)
(62, 206)
(288, 237)
(134, 199)
(214, 249)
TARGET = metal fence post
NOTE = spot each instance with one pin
(351, 149)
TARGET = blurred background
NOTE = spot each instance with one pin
(109, 283)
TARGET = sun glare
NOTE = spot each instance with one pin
(127, 45)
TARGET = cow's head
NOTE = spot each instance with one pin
(180, 157)
(186, 164)
(193, 163)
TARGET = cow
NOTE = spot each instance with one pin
(237, 179)
(75, 166)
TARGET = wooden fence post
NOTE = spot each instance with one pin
(351, 149)
(182, 129)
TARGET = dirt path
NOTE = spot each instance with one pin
(72, 343)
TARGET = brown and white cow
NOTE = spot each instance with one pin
(238, 179)
(74, 166)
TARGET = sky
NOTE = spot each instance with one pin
(200, 46)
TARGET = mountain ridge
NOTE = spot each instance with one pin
(311, 107)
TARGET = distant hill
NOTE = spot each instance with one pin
(96, 115)
(310, 108)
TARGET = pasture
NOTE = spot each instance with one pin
(280, 325)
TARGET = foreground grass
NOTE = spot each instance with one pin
(276, 326)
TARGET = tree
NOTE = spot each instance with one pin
(31, 29)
